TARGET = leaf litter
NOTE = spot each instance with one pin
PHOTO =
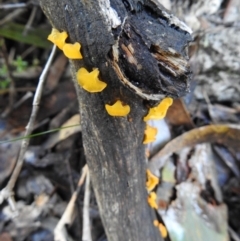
(196, 154)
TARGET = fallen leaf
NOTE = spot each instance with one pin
(190, 218)
(74, 127)
(222, 114)
(228, 159)
(178, 114)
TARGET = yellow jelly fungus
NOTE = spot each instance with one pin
(117, 109)
(72, 51)
(89, 80)
(155, 223)
(58, 38)
(152, 197)
(149, 134)
(161, 228)
(152, 181)
(159, 112)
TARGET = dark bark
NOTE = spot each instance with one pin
(140, 52)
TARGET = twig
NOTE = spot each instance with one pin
(86, 234)
(7, 193)
(30, 21)
(233, 234)
(28, 51)
(13, 5)
(11, 16)
(23, 99)
(60, 233)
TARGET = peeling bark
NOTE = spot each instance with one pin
(140, 50)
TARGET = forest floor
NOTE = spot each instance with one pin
(196, 151)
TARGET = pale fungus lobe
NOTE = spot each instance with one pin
(72, 51)
(149, 134)
(117, 109)
(58, 38)
(90, 81)
(152, 197)
(152, 181)
(160, 111)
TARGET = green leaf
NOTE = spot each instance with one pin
(4, 84)
(20, 64)
(36, 36)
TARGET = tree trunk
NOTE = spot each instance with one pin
(140, 51)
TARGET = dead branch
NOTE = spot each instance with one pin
(140, 51)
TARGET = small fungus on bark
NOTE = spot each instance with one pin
(152, 181)
(90, 81)
(58, 38)
(161, 228)
(152, 197)
(117, 109)
(72, 51)
(160, 111)
(149, 134)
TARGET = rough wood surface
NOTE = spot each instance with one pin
(140, 50)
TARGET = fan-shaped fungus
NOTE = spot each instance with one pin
(159, 112)
(89, 80)
(152, 197)
(72, 51)
(117, 109)
(149, 134)
(161, 228)
(58, 38)
(152, 181)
